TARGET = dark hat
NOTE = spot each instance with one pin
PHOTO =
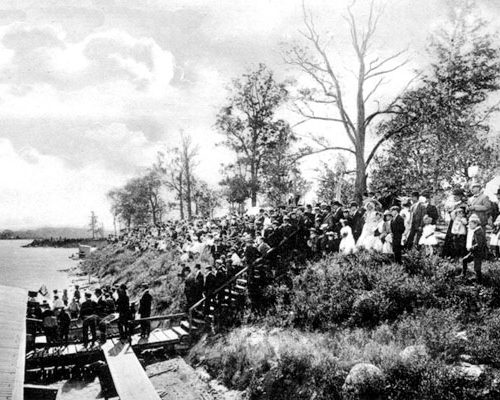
(197, 266)
(88, 295)
(457, 192)
(145, 286)
(337, 203)
(123, 286)
(354, 204)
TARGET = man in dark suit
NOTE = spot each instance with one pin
(145, 310)
(357, 220)
(476, 246)
(88, 316)
(417, 211)
(199, 283)
(123, 308)
(397, 229)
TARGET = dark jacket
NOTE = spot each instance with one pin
(479, 247)
(397, 227)
(88, 308)
(123, 305)
(358, 220)
(145, 304)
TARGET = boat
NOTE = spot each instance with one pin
(84, 250)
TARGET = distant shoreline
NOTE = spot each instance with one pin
(66, 243)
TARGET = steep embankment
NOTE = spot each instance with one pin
(416, 331)
(116, 265)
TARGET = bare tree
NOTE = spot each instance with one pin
(329, 95)
(177, 164)
(189, 151)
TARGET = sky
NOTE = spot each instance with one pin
(90, 91)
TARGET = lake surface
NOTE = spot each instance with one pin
(32, 267)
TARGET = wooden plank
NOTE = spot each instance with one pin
(131, 381)
(12, 341)
(171, 335)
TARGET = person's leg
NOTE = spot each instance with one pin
(468, 258)
(93, 329)
(397, 251)
(477, 268)
(85, 332)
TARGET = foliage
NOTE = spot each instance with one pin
(335, 183)
(250, 126)
(441, 127)
(206, 198)
(139, 201)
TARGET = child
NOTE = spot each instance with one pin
(459, 232)
(476, 246)
(428, 238)
(495, 238)
(347, 244)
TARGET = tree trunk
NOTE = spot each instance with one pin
(181, 201)
(253, 189)
(188, 191)
(360, 183)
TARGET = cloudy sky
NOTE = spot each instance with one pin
(91, 90)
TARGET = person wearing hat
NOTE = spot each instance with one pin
(209, 287)
(397, 229)
(88, 316)
(476, 247)
(417, 212)
(357, 217)
(189, 287)
(64, 321)
(124, 314)
(314, 243)
(199, 283)
(455, 203)
(479, 204)
(329, 244)
(145, 310)
(495, 238)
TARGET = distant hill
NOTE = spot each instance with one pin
(46, 233)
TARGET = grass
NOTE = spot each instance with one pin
(115, 265)
(363, 309)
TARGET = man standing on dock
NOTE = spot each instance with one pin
(123, 308)
(88, 316)
(145, 310)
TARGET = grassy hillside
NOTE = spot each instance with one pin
(116, 265)
(431, 334)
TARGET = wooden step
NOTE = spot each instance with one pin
(181, 332)
(185, 325)
(240, 281)
(240, 288)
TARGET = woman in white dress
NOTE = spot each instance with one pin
(367, 240)
(347, 244)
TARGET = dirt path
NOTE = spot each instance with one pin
(174, 379)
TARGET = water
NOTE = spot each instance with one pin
(32, 267)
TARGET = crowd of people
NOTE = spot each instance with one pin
(94, 310)
(212, 250)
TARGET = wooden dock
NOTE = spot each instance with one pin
(12, 342)
(60, 355)
(130, 379)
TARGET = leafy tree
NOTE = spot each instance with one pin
(249, 124)
(335, 183)
(139, 201)
(442, 124)
(206, 199)
(236, 187)
(280, 173)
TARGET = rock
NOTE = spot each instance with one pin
(465, 357)
(414, 353)
(364, 381)
(469, 370)
(462, 335)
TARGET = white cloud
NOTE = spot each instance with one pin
(41, 191)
